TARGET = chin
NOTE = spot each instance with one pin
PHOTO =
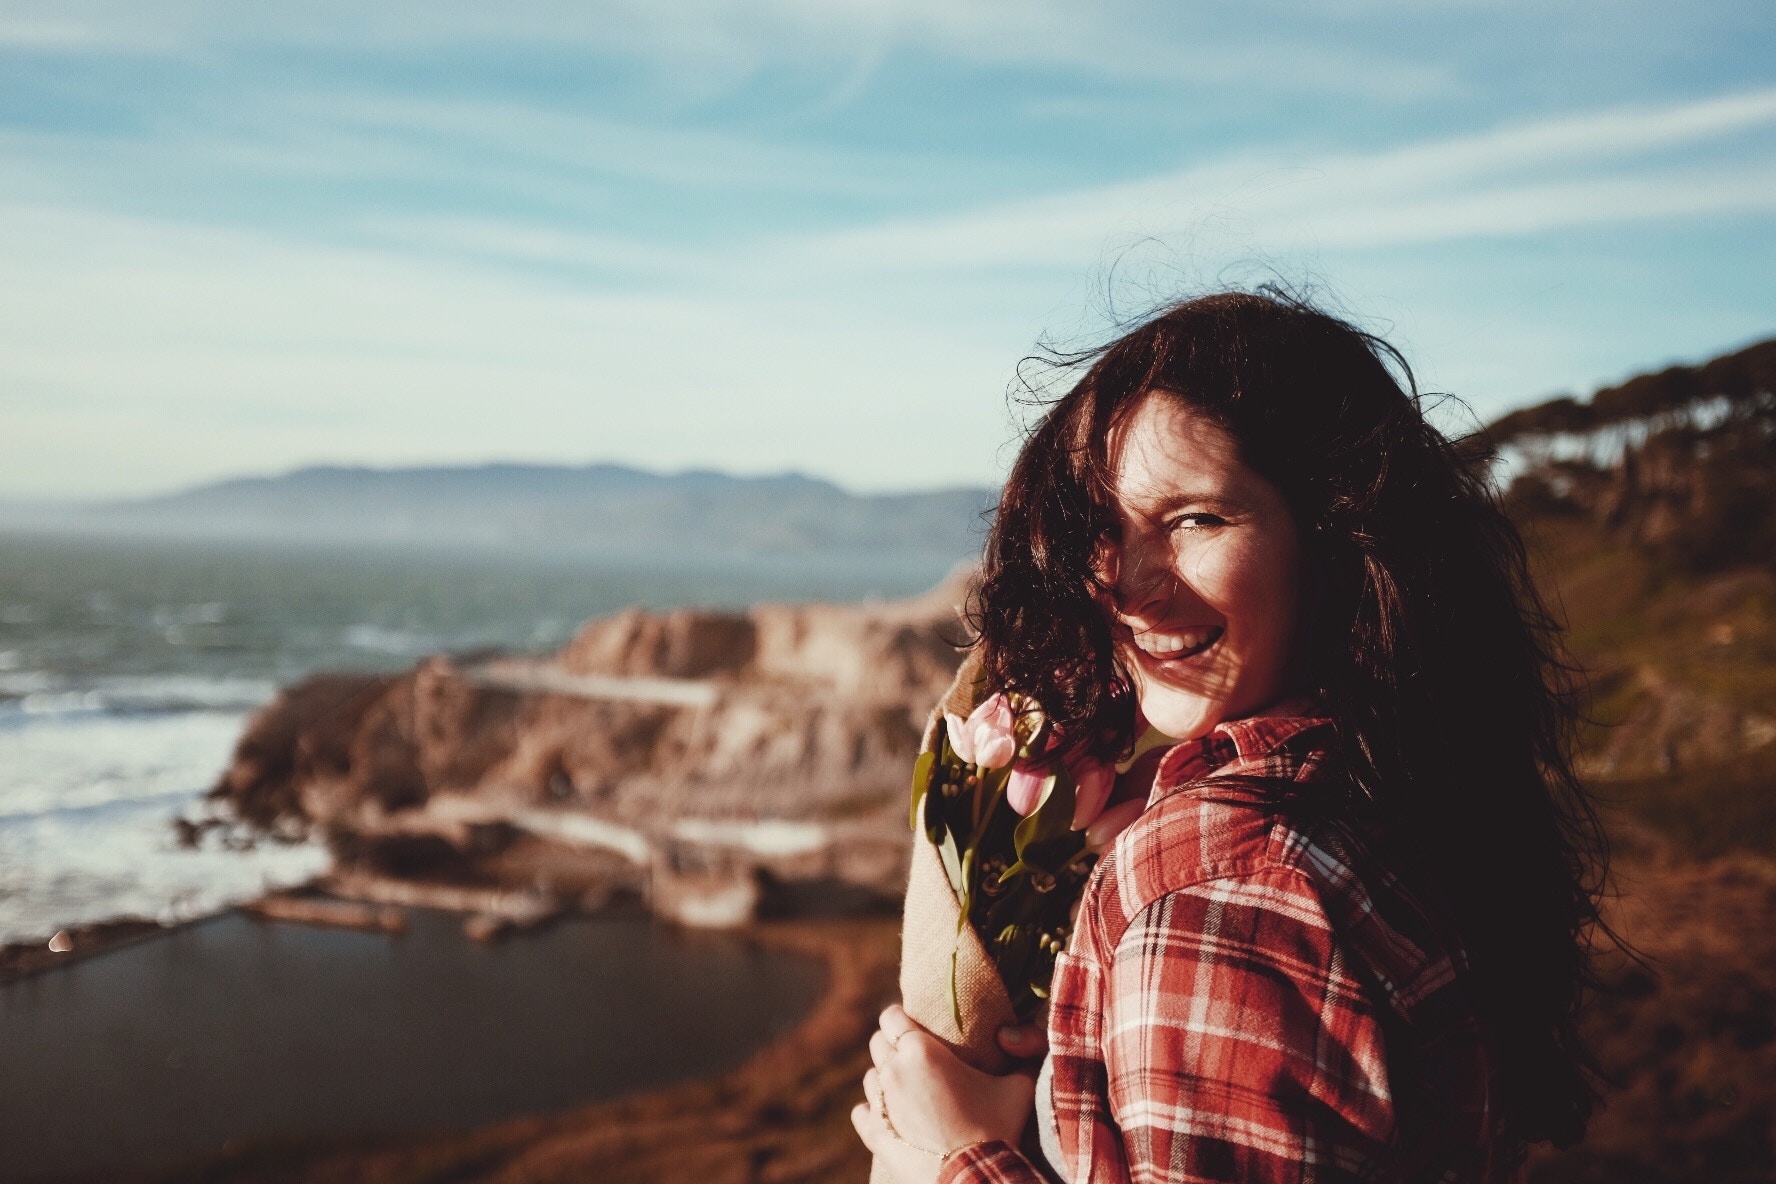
(1187, 720)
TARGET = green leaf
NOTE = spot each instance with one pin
(965, 894)
(952, 862)
(955, 1003)
(1149, 740)
(921, 784)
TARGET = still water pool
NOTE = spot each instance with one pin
(236, 1030)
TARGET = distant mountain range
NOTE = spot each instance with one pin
(603, 508)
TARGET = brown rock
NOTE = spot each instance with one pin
(683, 643)
(805, 713)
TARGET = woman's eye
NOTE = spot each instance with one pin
(1197, 521)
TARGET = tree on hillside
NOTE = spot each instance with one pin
(1682, 462)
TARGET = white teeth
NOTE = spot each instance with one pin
(1162, 645)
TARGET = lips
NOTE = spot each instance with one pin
(1176, 644)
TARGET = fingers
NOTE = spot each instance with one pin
(1023, 1041)
(872, 1090)
(869, 1127)
(902, 1034)
(897, 1034)
(1112, 822)
(880, 1048)
(897, 1023)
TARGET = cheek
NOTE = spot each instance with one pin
(1258, 591)
(1241, 581)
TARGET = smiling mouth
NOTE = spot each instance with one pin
(1169, 647)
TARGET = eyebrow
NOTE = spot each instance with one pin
(1177, 501)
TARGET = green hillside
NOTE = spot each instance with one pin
(1651, 509)
(1651, 514)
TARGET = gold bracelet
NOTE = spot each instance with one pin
(942, 1157)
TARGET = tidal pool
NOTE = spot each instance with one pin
(235, 1030)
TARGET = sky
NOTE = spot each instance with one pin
(819, 235)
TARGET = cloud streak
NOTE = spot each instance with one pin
(1434, 191)
(136, 355)
(726, 41)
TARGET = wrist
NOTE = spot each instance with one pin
(988, 1159)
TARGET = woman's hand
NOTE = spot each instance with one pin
(923, 1103)
(1027, 1042)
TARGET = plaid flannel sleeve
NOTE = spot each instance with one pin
(1237, 1043)
(989, 1163)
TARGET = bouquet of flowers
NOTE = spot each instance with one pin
(1008, 821)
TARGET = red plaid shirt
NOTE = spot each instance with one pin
(1249, 996)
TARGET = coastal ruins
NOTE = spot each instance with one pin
(715, 766)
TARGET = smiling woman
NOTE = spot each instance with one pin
(1203, 563)
(1345, 933)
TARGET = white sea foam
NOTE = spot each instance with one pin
(74, 762)
(39, 693)
(380, 640)
(86, 809)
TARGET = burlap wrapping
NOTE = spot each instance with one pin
(928, 937)
(932, 931)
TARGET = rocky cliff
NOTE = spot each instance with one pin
(712, 763)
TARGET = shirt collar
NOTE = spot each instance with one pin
(1289, 741)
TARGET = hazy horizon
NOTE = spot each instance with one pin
(227, 479)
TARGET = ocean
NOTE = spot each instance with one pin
(129, 666)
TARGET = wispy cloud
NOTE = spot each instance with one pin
(1571, 171)
(723, 42)
(1599, 168)
(135, 354)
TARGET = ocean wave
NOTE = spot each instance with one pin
(39, 693)
(73, 867)
(172, 804)
(70, 762)
(87, 802)
(382, 640)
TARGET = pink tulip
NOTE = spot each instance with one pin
(1094, 782)
(994, 752)
(1023, 789)
(1112, 822)
(960, 741)
(988, 737)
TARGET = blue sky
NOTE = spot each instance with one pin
(788, 234)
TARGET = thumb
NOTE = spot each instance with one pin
(1023, 1041)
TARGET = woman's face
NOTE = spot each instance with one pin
(1206, 572)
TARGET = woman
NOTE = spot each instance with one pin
(1346, 936)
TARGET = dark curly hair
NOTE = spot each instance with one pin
(1425, 639)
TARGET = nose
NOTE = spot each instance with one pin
(1146, 587)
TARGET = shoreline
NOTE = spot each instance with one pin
(22, 959)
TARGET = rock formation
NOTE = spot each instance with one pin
(713, 762)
